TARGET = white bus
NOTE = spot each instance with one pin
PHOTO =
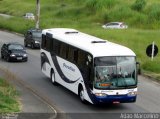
(97, 70)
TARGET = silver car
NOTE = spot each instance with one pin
(29, 16)
(115, 25)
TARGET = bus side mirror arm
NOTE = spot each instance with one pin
(138, 68)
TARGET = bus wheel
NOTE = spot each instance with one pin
(53, 78)
(81, 95)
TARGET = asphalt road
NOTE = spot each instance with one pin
(65, 101)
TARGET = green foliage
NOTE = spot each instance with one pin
(100, 4)
(16, 24)
(99, 11)
(139, 20)
(8, 98)
(121, 13)
(139, 5)
(154, 12)
(152, 66)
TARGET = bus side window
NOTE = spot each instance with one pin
(43, 45)
(63, 50)
(81, 58)
(75, 55)
(72, 54)
(56, 47)
(51, 45)
(48, 43)
(81, 61)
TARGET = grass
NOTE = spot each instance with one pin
(152, 75)
(8, 98)
(88, 16)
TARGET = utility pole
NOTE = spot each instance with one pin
(37, 13)
(152, 55)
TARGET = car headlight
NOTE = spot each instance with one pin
(36, 41)
(12, 55)
(134, 93)
(100, 94)
(24, 55)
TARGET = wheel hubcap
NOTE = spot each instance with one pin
(52, 77)
(82, 95)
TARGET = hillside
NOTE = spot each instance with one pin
(143, 19)
(137, 15)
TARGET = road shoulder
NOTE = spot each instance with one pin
(32, 106)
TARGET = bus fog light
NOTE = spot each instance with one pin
(132, 93)
(101, 94)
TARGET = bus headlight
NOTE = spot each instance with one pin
(100, 94)
(132, 93)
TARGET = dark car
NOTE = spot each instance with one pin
(33, 38)
(13, 52)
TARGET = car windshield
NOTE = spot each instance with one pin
(29, 14)
(15, 47)
(115, 72)
(37, 34)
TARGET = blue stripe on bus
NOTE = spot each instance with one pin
(44, 59)
(92, 97)
(63, 77)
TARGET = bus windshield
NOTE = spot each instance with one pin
(115, 72)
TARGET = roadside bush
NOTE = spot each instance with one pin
(61, 13)
(154, 12)
(139, 5)
(139, 20)
(100, 4)
(121, 13)
(152, 66)
(106, 17)
(16, 24)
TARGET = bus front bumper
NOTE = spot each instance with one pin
(115, 99)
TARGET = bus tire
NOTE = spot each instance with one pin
(53, 78)
(81, 95)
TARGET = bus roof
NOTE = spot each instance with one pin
(96, 46)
